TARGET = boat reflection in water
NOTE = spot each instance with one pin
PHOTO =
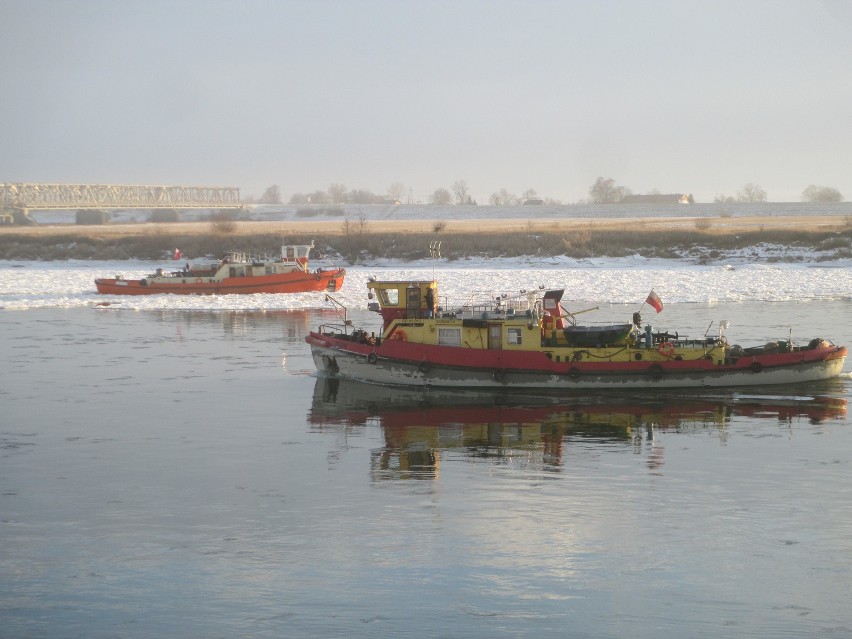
(420, 426)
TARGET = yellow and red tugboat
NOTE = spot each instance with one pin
(236, 273)
(530, 341)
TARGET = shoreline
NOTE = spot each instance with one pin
(336, 227)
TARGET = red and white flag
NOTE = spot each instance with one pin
(176, 255)
(655, 301)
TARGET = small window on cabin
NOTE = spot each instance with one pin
(449, 336)
(513, 335)
(290, 253)
(389, 296)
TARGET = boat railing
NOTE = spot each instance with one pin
(696, 343)
(486, 306)
(335, 329)
(258, 259)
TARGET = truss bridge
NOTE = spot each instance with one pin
(18, 198)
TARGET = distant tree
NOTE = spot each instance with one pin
(724, 199)
(363, 196)
(319, 197)
(337, 193)
(529, 194)
(502, 198)
(460, 190)
(821, 194)
(396, 190)
(357, 227)
(442, 196)
(751, 192)
(298, 198)
(606, 191)
(272, 195)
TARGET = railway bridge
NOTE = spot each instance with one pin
(17, 199)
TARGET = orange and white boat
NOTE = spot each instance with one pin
(236, 273)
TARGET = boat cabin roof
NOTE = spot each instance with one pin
(402, 299)
(551, 301)
(290, 252)
(395, 293)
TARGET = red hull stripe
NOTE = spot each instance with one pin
(527, 361)
(246, 285)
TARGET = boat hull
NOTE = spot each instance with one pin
(400, 363)
(295, 282)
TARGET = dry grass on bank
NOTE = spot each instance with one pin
(651, 237)
(333, 228)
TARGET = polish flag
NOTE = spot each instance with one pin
(176, 255)
(655, 301)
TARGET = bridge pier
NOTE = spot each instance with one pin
(15, 215)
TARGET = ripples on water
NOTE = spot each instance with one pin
(177, 471)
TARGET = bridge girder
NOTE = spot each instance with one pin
(24, 196)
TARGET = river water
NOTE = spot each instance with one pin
(173, 467)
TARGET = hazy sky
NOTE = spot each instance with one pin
(696, 97)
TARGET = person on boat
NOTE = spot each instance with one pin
(430, 303)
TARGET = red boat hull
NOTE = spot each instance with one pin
(294, 282)
(406, 363)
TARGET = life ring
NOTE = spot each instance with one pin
(656, 372)
(666, 349)
(424, 367)
(400, 334)
(372, 358)
(756, 367)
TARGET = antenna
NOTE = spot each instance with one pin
(435, 253)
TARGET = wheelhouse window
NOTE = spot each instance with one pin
(513, 335)
(449, 336)
(388, 296)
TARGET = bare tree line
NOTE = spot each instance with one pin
(603, 191)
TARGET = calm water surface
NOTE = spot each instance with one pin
(184, 474)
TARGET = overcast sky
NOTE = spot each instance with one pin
(695, 97)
